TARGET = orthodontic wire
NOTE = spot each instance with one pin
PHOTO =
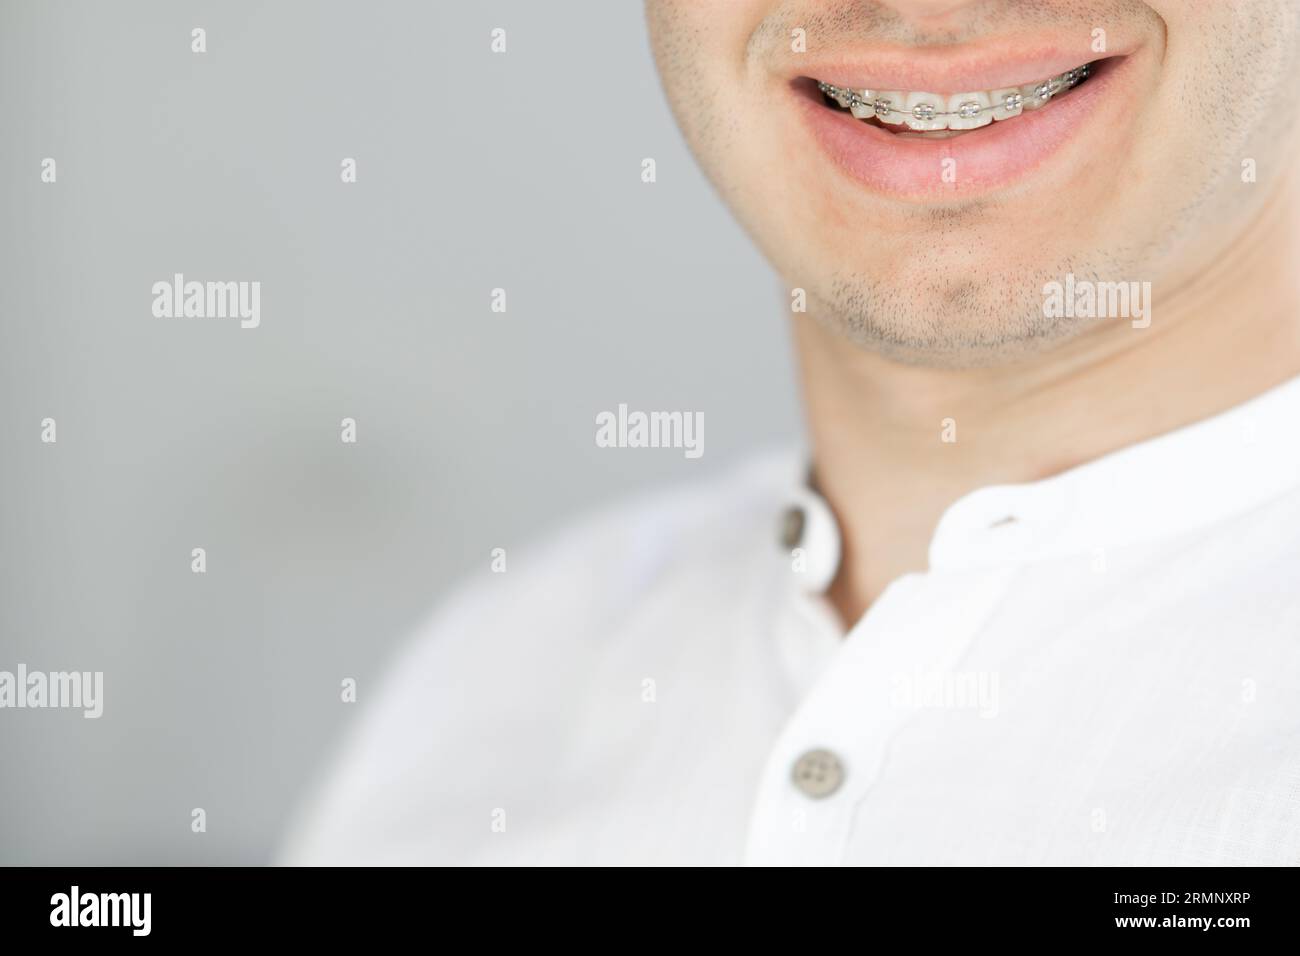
(1055, 85)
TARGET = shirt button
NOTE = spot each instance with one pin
(792, 525)
(818, 773)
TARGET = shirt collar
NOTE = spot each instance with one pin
(1178, 482)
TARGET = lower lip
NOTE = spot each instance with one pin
(991, 157)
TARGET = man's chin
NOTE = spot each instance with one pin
(962, 329)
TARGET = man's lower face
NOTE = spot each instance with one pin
(923, 169)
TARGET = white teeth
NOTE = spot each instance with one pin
(1038, 94)
(924, 112)
(969, 111)
(1007, 102)
(865, 105)
(894, 100)
(930, 112)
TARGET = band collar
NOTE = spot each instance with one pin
(1178, 482)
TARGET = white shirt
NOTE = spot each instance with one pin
(1099, 668)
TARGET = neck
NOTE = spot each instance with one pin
(883, 433)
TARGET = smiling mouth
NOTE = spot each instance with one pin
(935, 116)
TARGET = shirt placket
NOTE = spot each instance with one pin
(831, 751)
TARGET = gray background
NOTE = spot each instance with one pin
(476, 430)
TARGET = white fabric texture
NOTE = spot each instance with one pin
(1101, 668)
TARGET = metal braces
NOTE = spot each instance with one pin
(1043, 92)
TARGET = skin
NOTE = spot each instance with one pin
(925, 310)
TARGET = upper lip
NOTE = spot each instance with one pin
(986, 65)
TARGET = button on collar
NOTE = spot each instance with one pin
(810, 538)
(792, 525)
